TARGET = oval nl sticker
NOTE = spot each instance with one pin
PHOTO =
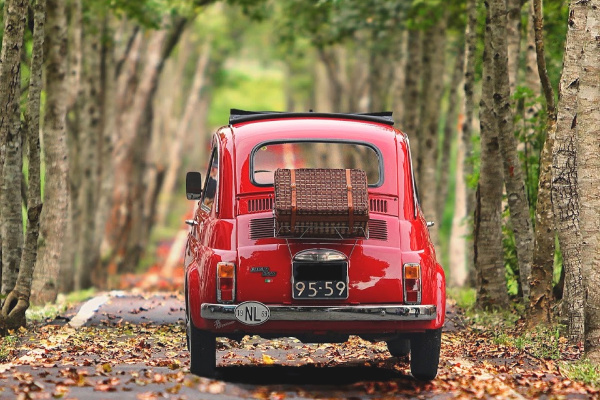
(252, 313)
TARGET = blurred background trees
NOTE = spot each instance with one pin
(132, 91)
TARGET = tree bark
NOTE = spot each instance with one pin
(54, 216)
(434, 42)
(565, 198)
(488, 251)
(17, 301)
(532, 76)
(89, 139)
(74, 58)
(450, 127)
(543, 255)
(467, 132)
(412, 93)
(336, 86)
(380, 77)
(130, 124)
(513, 40)
(513, 172)
(116, 76)
(11, 221)
(588, 168)
(191, 105)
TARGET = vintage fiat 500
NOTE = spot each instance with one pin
(251, 267)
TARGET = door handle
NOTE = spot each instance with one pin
(191, 222)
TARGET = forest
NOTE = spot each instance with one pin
(105, 105)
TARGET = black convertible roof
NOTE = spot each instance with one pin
(237, 116)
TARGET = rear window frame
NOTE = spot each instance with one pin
(317, 140)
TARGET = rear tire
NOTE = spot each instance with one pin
(399, 347)
(202, 346)
(425, 354)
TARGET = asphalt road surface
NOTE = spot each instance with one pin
(122, 345)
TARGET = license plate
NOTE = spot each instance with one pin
(252, 313)
(320, 290)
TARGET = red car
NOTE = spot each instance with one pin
(244, 276)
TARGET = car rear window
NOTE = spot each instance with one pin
(268, 157)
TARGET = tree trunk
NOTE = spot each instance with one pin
(434, 42)
(513, 40)
(89, 138)
(357, 75)
(74, 57)
(565, 198)
(54, 216)
(513, 172)
(412, 94)
(532, 76)
(588, 169)
(66, 279)
(488, 251)
(460, 225)
(380, 77)
(11, 221)
(399, 71)
(115, 79)
(467, 129)
(543, 255)
(336, 86)
(17, 301)
(450, 127)
(160, 46)
(175, 153)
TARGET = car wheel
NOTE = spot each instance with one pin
(202, 346)
(425, 354)
(399, 347)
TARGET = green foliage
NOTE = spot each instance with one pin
(530, 130)
(464, 297)
(63, 302)
(582, 370)
(555, 32)
(7, 346)
(531, 134)
(500, 319)
(544, 342)
(246, 86)
(148, 13)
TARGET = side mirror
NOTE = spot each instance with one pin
(193, 185)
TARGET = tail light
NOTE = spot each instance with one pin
(412, 283)
(225, 282)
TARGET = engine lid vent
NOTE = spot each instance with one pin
(378, 205)
(259, 205)
(262, 228)
(378, 229)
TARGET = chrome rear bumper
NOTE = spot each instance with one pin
(325, 313)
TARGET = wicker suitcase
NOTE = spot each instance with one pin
(321, 203)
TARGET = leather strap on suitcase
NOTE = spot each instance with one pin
(350, 203)
(294, 204)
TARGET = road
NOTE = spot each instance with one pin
(127, 346)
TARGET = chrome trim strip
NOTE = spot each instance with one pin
(327, 313)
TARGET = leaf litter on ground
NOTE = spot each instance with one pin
(50, 361)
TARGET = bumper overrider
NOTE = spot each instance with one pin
(328, 313)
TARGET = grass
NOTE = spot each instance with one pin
(544, 342)
(583, 371)
(63, 302)
(464, 297)
(7, 344)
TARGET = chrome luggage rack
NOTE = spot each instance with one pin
(341, 237)
(279, 233)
